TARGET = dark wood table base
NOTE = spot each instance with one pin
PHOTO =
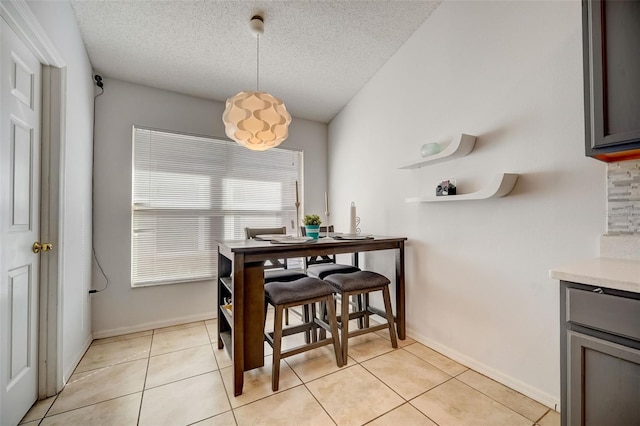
(241, 279)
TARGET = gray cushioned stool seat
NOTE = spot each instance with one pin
(355, 281)
(282, 275)
(305, 288)
(362, 283)
(306, 292)
(322, 270)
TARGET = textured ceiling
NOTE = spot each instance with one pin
(314, 55)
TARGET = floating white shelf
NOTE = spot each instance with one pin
(500, 185)
(456, 149)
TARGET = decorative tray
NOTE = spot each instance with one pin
(291, 240)
(353, 237)
(269, 237)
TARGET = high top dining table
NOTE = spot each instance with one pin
(241, 282)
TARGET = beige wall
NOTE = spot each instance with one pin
(121, 309)
(477, 271)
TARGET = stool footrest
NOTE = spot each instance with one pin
(295, 329)
(378, 312)
(309, 292)
(303, 348)
(361, 314)
(369, 329)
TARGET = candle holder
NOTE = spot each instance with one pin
(326, 216)
(298, 233)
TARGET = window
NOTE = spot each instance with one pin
(189, 191)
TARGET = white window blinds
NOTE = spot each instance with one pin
(189, 191)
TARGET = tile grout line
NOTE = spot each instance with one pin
(429, 390)
(492, 399)
(435, 366)
(479, 390)
(144, 383)
(48, 409)
(74, 372)
(224, 387)
(88, 405)
(127, 360)
(541, 417)
(218, 369)
(425, 392)
(302, 383)
(120, 362)
(499, 402)
(345, 367)
(410, 353)
(385, 383)
(213, 341)
(178, 350)
(319, 403)
(122, 338)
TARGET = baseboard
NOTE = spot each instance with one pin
(153, 325)
(67, 374)
(533, 393)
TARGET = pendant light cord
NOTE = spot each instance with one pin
(258, 63)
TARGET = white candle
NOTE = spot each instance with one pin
(326, 203)
(352, 221)
(297, 200)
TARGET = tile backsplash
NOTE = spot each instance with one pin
(623, 197)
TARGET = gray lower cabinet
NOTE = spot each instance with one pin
(604, 380)
(600, 356)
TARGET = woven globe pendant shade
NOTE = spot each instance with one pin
(256, 120)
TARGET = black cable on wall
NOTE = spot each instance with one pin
(100, 84)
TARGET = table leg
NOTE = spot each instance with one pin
(248, 319)
(237, 335)
(400, 290)
(358, 300)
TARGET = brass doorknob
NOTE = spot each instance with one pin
(38, 247)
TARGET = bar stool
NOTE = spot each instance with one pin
(303, 292)
(277, 269)
(320, 266)
(362, 283)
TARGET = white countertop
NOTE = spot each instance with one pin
(619, 274)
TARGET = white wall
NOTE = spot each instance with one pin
(121, 309)
(477, 271)
(75, 212)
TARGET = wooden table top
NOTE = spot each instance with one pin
(254, 250)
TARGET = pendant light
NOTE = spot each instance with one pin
(256, 120)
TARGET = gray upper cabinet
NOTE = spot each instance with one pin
(611, 49)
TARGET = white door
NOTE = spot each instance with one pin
(20, 91)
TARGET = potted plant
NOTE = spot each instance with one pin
(312, 224)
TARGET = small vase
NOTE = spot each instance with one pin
(429, 149)
(313, 231)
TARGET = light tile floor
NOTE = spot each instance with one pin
(177, 376)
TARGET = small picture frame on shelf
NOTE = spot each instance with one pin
(446, 187)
